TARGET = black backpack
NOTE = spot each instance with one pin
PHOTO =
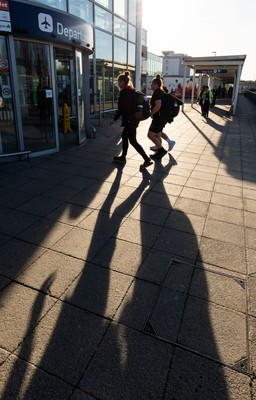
(170, 107)
(142, 106)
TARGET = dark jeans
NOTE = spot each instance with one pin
(129, 135)
(205, 108)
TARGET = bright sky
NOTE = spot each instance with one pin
(202, 27)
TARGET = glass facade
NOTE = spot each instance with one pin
(103, 19)
(58, 4)
(132, 11)
(152, 65)
(58, 85)
(106, 3)
(103, 45)
(131, 54)
(120, 27)
(120, 51)
(120, 8)
(82, 9)
(132, 33)
(114, 23)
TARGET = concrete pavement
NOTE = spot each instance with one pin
(117, 284)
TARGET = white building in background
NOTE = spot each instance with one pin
(172, 64)
(170, 67)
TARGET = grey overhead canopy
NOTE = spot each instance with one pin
(227, 69)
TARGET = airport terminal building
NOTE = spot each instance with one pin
(58, 65)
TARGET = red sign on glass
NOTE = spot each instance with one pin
(4, 67)
(4, 5)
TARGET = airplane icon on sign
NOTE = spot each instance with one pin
(45, 22)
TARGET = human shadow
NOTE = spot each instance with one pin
(131, 321)
(13, 388)
(12, 270)
(75, 325)
(156, 348)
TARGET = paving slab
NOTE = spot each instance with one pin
(220, 288)
(99, 290)
(154, 267)
(44, 232)
(224, 231)
(21, 310)
(15, 222)
(80, 243)
(143, 233)
(111, 373)
(178, 243)
(197, 378)
(121, 256)
(193, 224)
(21, 380)
(222, 254)
(60, 269)
(40, 206)
(16, 256)
(209, 329)
(69, 213)
(63, 342)
(137, 304)
(101, 221)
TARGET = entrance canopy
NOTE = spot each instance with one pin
(227, 69)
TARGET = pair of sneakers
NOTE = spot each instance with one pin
(159, 154)
(171, 145)
(122, 160)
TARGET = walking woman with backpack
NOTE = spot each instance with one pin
(127, 109)
(155, 132)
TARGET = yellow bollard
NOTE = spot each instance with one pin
(66, 119)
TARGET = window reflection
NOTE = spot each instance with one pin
(131, 54)
(120, 50)
(132, 33)
(120, 8)
(35, 95)
(105, 3)
(82, 9)
(103, 19)
(132, 11)
(59, 4)
(8, 140)
(120, 27)
(103, 45)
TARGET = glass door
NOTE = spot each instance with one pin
(66, 97)
(35, 95)
(8, 138)
(80, 96)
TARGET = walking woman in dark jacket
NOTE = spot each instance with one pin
(127, 109)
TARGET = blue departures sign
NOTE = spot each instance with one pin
(211, 71)
(50, 25)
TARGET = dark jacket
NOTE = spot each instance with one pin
(126, 106)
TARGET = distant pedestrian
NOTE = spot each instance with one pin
(155, 132)
(205, 100)
(230, 91)
(126, 110)
(213, 97)
(223, 91)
